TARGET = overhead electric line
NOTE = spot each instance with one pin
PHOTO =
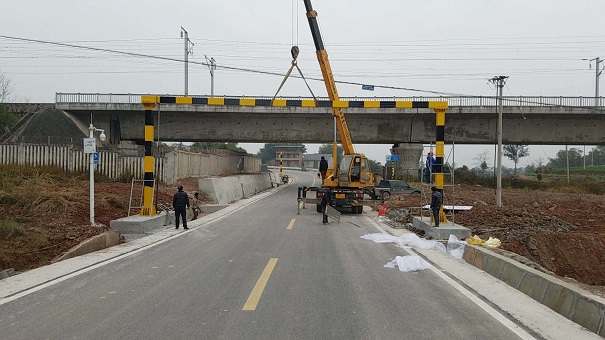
(140, 55)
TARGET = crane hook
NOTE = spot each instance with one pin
(294, 51)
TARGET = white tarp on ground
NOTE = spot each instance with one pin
(404, 241)
(408, 263)
(454, 247)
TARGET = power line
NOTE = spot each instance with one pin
(140, 55)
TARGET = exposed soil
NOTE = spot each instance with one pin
(562, 232)
(50, 229)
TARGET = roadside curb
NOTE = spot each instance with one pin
(577, 305)
(571, 302)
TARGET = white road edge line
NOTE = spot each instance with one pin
(490, 310)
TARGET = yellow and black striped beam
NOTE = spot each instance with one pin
(439, 155)
(367, 104)
(148, 209)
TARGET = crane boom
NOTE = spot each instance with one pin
(326, 72)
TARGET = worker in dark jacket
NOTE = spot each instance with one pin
(429, 167)
(326, 200)
(180, 203)
(436, 201)
(323, 168)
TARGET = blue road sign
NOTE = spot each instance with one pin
(367, 87)
(95, 158)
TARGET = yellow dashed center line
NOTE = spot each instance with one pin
(260, 286)
(291, 224)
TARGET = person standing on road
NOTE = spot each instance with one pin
(430, 167)
(436, 201)
(180, 203)
(195, 205)
(326, 200)
(323, 168)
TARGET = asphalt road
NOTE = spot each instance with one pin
(261, 272)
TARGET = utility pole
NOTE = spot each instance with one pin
(499, 81)
(567, 162)
(212, 66)
(187, 52)
(598, 71)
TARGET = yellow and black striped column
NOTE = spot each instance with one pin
(148, 209)
(439, 153)
(281, 156)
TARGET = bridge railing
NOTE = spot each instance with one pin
(116, 98)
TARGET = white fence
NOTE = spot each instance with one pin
(175, 165)
(71, 159)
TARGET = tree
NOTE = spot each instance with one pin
(575, 158)
(6, 89)
(596, 156)
(375, 166)
(327, 149)
(515, 152)
(482, 158)
(7, 119)
(199, 146)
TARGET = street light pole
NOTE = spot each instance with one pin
(500, 80)
(92, 130)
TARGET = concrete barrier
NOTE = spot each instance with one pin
(224, 190)
(107, 239)
(579, 306)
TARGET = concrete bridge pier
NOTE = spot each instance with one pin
(409, 154)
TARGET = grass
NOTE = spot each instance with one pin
(11, 229)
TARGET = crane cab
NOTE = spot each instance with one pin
(354, 171)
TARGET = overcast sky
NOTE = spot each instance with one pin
(450, 47)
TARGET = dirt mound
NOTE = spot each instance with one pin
(563, 232)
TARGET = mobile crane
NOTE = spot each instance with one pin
(352, 177)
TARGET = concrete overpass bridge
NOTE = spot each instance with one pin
(469, 120)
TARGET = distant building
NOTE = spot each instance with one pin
(311, 161)
(292, 155)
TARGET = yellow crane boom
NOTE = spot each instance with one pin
(326, 72)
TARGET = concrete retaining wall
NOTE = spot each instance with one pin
(181, 164)
(224, 190)
(575, 304)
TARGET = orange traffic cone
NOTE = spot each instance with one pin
(382, 211)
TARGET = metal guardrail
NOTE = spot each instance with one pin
(116, 98)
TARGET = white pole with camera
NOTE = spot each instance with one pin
(90, 147)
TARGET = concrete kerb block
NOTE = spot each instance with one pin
(559, 299)
(512, 274)
(572, 302)
(7, 273)
(491, 265)
(587, 313)
(533, 286)
(469, 255)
